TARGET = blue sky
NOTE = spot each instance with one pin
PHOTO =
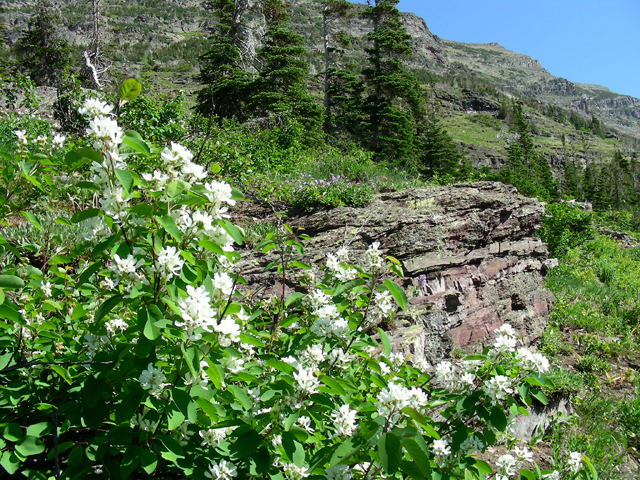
(583, 41)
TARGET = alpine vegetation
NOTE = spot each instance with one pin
(141, 352)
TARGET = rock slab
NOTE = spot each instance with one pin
(470, 259)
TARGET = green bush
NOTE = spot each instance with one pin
(565, 226)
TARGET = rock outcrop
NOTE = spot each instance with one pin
(468, 253)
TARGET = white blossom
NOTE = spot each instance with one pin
(222, 284)
(532, 361)
(230, 331)
(575, 461)
(58, 140)
(221, 471)
(441, 448)
(214, 436)
(169, 262)
(46, 289)
(196, 312)
(22, 137)
(338, 472)
(306, 380)
(373, 257)
(116, 325)
(498, 387)
(92, 107)
(344, 420)
(507, 465)
(153, 379)
(104, 128)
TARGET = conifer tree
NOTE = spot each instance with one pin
(339, 84)
(42, 55)
(222, 72)
(394, 99)
(280, 90)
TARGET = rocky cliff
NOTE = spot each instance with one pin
(469, 256)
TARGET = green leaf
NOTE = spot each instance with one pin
(10, 462)
(75, 456)
(389, 452)
(498, 418)
(12, 432)
(397, 292)
(86, 214)
(232, 230)
(106, 306)
(295, 296)
(174, 189)
(172, 449)
(32, 219)
(279, 365)
(168, 223)
(346, 450)
(345, 287)
(541, 397)
(75, 159)
(386, 344)
(422, 421)
(483, 467)
(63, 372)
(208, 408)
(293, 448)
(334, 387)
(183, 402)
(527, 474)
(9, 313)
(126, 179)
(215, 374)
(129, 89)
(411, 470)
(245, 444)
(418, 455)
(148, 461)
(29, 445)
(137, 145)
(147, 317)
(11, 282)
(240, 396)
(130, 461)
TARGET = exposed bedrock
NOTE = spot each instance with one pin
(470, 260)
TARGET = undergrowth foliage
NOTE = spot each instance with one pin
(140, 353)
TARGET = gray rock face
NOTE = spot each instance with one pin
(468, 254)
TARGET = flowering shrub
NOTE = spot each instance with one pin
(313, 194)
(139, 354)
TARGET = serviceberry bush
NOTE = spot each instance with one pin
(140, 353)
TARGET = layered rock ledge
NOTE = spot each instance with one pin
(469, 256)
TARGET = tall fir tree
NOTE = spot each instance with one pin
(527, 169)
(394, 99)
(280, 89)
(41, 53)
(337, 82)
(222, 71)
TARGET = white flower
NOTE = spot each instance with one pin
(46, 289)
(58, 140)
(505, 340)
(382, 304)
(115, 202)
(125, 265)
(332, 263)
(169, 262)
(176, 155)
(156, 181)
(106, 129)
(116, 325)
(507, 465)
(306, 380)
(532, 361)
(343, 254)
(153, 379)
(305, 422)
(314, 353)
(182, 433)
(222, 284)
(346, 274)
(293, 472)
(373, 258)
(230, 331)
(219, 192)
(338, 472)
(196, 312)
(221, 471)
(22, 137)
(523, 454)
(344, 420)
(446, 374)
(498, 387)
(93, 107)
(214, 436)
(575, 461)
(555, 475)
(441, 447)
(233, 364)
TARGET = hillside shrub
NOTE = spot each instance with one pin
(142, 354)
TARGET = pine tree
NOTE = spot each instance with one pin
(439, 155)
(528, 170)
(225, 79)
(280, 90)
(342, 90)
(394, 101)
(42, 55)
(346, 120)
